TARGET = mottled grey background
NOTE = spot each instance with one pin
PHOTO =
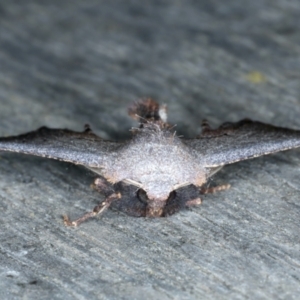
(67, 63)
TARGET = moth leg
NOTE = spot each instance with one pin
(103, 186)
(211, 190)
(96, 211)
(194, 202)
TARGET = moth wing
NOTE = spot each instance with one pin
(233, 142)
(83, 148)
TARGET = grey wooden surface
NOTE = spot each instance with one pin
(67, 63)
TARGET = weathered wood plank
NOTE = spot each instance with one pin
(64, 64)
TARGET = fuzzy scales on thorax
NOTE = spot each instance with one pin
(157, 161)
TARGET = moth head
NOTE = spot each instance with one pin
(155, 195)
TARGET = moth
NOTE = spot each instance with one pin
(144, 175)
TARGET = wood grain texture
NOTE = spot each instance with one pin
(64, 64)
